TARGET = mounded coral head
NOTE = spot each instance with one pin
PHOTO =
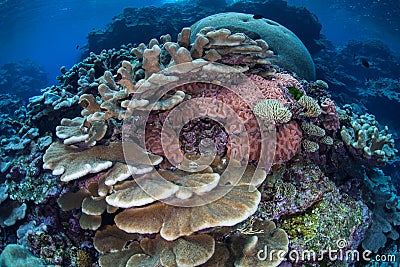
(290, 53)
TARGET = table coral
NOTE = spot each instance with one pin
(266, 238)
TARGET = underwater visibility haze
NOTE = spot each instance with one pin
(199, 133)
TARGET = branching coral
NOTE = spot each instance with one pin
(366, 141)
(311, 106)
(272, 111)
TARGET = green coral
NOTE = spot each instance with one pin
(296, 93)
(325, 223)
(32, 188)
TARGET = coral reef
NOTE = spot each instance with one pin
(366, 141)
(23, 78)
(170, 19)
(121, 173)
(192, 153)
(15, 255)
(383, 200)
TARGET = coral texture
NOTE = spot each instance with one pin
(291, 54)
(162, 156)
(366, 141)
(111, 156)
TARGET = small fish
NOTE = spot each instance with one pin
(258, 16)
(365, 62)
(77, 47)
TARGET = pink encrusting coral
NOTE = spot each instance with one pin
(276, 87)
(288, 142)
(288, 135)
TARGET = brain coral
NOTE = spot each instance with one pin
(288, 141)
(290, 53)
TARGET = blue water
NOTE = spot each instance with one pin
(48, 32)
(343, 20)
